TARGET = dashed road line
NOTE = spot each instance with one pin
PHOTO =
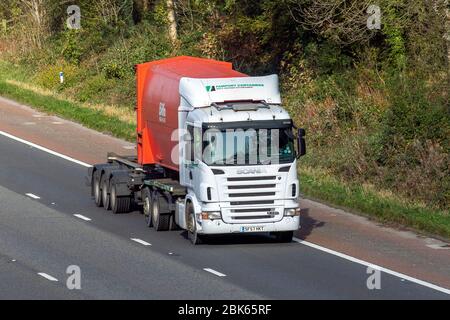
(145, 243)
(374, 266)
(31, 195)
(80, 216)
(47, 276)
(217, 273)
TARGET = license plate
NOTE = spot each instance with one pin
(252, 229)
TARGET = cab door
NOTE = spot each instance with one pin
(190, 154)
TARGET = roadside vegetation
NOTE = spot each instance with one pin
(375, 103)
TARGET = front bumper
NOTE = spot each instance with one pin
(220, 227)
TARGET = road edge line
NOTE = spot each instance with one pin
(31, 144)
(374, 266)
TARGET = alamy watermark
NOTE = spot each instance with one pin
(374, 280)
(74, 19)
(74, 280)
(374, 19)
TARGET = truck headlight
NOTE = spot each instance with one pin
(292, 212)
(211, 215)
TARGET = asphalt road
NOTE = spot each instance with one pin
(42, 235)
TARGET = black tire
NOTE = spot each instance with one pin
(147, 207)
(118, 204)
(160, 218)
(105, 193)
(97, 189)
(193, 235)
(284, 236)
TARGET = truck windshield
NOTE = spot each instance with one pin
(249, 146)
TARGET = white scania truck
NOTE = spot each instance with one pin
(216, 153)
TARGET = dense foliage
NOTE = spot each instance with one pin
(375, 102)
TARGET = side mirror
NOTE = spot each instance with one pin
(301, 143)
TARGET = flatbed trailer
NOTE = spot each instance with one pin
(132, 185)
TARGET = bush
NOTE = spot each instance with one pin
(115, 69)
(93, 88)
(414, 115)
(146, 43)
(72, 50)
(48, 76)
(326, 58)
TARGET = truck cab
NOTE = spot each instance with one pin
(238, 161)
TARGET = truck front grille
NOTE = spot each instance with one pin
(251, 194)
(250, 178)
(253, 187)
(252, 199)
(253, 213)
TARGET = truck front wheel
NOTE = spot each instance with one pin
(193, 235)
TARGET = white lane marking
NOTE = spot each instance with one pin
(217, 273)
(32, 196)
(373, 266)
(80, 216)
(29, 123)
(84, 164)
(145, 243)
(344, 256)
(129, 147)
(57, 122)
(47, 276)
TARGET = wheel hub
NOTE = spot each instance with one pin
(155, 211)
(147, 206)
(97, 190)
(113, 197)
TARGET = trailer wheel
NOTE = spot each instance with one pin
(105, 193)
(193, 235)
(118, 204)
(96, 188)
(284, 236)
(147, 207)
(160, 219)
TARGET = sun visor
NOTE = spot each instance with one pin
(200, 93)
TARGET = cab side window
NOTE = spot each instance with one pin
(189, 140)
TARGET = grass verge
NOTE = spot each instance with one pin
(368, 202)
(314, 183)
(91, 118)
